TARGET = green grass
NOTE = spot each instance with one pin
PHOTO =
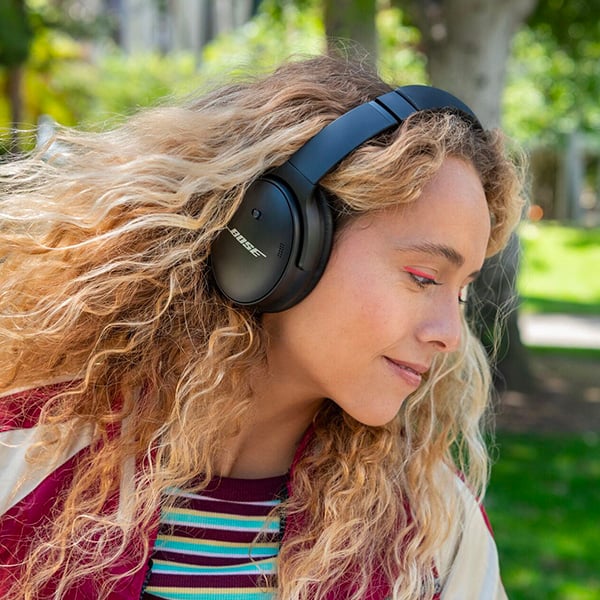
(567, 352)
(560, 269)
(544, 504)
(544, 495)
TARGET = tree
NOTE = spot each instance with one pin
(352, 20)
(552, 103)
(15, 42)
(27, 47)
(467, 43)
(553, 76)
(574, 26)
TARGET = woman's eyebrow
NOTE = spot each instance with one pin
(439, 250)
(436, 249)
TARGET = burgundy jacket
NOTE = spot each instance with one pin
(22, 515)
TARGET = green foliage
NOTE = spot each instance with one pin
(71, 17)
(552, 85)
(587, 354)
(286, 29)
(280, 30)
(559, 268)
(82, 84)
(544, 504)
(123, 83)
(574, 24)
(278, 10)
(553, 82)
(63, 81)
(400, 61)
(56, 80)
(79, 83)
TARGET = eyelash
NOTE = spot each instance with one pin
(423, 281)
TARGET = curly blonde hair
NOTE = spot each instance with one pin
(104, 280)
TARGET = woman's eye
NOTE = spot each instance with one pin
(462, 296)
(420, 278)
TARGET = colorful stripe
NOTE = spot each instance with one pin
(212, 593)
(207, 520)
(261, 567)
(221, 544)
(216, 548)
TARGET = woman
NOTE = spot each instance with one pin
(173, 432)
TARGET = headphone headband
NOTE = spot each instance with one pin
(338, 139)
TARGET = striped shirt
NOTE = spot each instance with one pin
(207, 546)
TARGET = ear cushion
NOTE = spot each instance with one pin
(301, 277)
(256, 260)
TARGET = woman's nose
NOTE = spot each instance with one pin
(442, 327)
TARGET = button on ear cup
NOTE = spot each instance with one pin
(250, 257)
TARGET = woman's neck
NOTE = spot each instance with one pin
(275, 424)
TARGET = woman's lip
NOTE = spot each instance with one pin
(417, 367)
(411, 373)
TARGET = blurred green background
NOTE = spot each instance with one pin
(544, 495)
(531, 66)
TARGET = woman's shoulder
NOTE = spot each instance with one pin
(469, 562)
(20, 407)
(23, 437)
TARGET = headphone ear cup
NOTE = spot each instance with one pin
(308, 259)
(251, 255)
(320, 238)
(271, 255)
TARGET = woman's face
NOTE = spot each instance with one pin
(388, 301)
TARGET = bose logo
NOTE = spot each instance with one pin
(246, 244)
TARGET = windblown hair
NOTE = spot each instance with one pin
(105, 282)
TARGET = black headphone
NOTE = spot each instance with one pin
(275, 248)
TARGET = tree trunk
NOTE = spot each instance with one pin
(189, 25)
(571, 180)
(14, 76)
(140, 26)
(231, 14)
(493, 312)
(350, 25)
(467, 43)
